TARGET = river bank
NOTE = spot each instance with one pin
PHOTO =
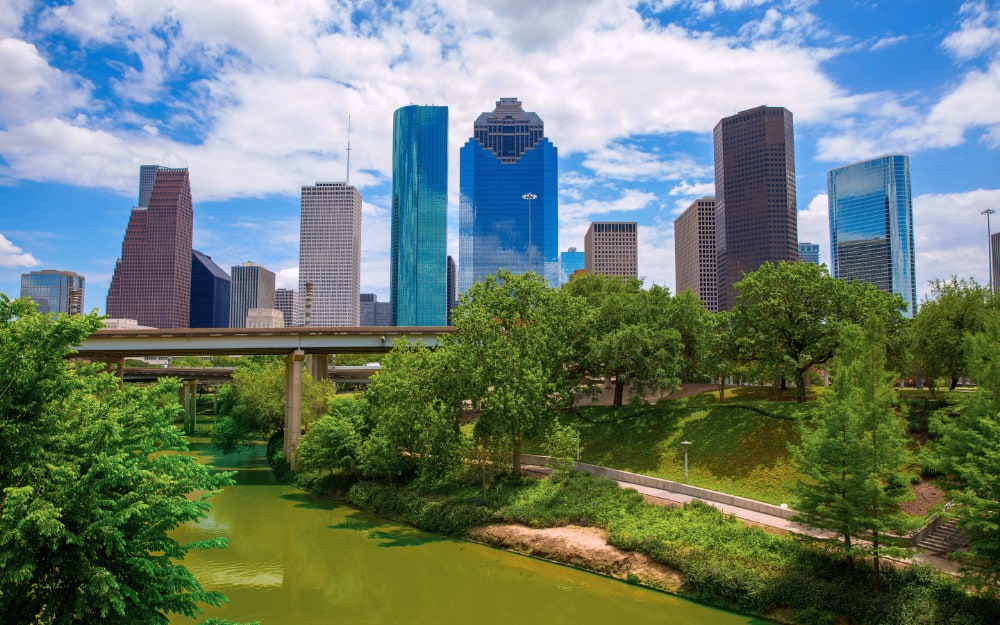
(584, 548)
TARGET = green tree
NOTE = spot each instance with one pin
(969, 445)
(256, 408)
(954, 310)
(93, 478)
(632, 335)
(515, 333)
(853, 459)
(334, 442)
(787, 315)
(415, 403)
(720, 356)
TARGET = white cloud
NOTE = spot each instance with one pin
(979, 32)
(950, 235)
(625, 162)
(888, 42)
(814, 226)
(30, 88)
(12, 14)
(13, 256)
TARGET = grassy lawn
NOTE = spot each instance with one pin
(739, 446)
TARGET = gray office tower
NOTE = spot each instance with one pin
(252, 287)
(54, 291)
(210, 286)
(285, 300)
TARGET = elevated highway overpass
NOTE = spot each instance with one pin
(311, 345)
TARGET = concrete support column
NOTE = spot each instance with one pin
(190, 404)
(293, 404)
(318, 365)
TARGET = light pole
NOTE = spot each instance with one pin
(989, 244)
(686, 444)
(531, 260)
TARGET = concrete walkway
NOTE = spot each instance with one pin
(664, 497)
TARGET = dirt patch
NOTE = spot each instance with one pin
(928, 495)
(581, 547)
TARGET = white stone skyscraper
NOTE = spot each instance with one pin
(330, 255)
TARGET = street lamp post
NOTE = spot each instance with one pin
(686, 444)
(989, 244)
(531, 260)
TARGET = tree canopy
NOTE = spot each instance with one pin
(853, 461)
(787, 315)
(94, 478)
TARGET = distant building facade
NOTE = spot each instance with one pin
(809, 253)
(570, 261)
(418, 248)
(54, 291)
(452, 286)
(509, 203)
(252, 287)
(330, 254)
(755, 207)
(152, 278)
(265, 318)
(610, 248)
(374, 312)
(871, 225)
(995, 260)
(694, 252)
(210, 292)
(286, 301)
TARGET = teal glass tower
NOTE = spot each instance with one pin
(509, 204)
(418, 280)
(871, 225)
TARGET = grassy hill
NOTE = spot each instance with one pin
(739, 446)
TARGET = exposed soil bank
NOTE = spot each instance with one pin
(581, 547)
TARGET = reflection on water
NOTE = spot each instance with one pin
(298, 559)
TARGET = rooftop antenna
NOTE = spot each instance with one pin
(348, 149)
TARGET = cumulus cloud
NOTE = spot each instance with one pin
(31, 88)
(13, 256)
(979, 31)
(814, 226)
(950, 235)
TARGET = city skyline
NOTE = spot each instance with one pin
(257, 107)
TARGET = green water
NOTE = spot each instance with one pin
(298, 559)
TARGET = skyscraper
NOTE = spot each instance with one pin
(210, 289)
(755, 218)
(54, 291)
(694, 252)
(152, 279)
(509, 205)
(418, 265)
(374, 312)
(252, 287)
(286, 302)
(610, 248)
(809, 253)
(570, 261)
(330, 254)
(871, 225)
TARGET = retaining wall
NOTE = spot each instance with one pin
(675, 487)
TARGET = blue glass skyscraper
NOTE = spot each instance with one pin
(871, 225)
(509, 205)
(418, 280)
(570, 261)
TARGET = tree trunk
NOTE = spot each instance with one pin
(517, 453)
(954, 383)
(722, 389)
(619, 391)
(800, 385)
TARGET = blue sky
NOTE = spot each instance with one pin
(253, 96)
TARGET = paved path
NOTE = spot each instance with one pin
(669, 498)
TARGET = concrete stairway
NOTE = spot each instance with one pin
(945, 539)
